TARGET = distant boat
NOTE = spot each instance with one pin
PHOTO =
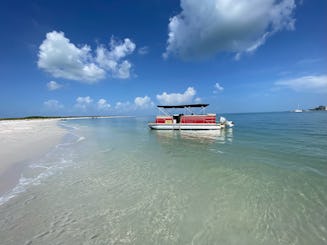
(189, 120)
(298, 109)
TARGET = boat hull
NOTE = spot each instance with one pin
(184, 126)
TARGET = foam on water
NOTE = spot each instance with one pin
(52, 162)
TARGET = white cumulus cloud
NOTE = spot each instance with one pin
(198, 100)
(121, 49)
(218, 88)
(177, 98)
(123, 70)
(103, 104)
(143, 50)
(61, 58)
(53, 85)
(205, 28)
(140, 103)
(313, 84)
(53, 104)
(123, 106)
(83, 102)
(112, 59)
(143, 102)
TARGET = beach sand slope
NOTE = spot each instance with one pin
(22, 141)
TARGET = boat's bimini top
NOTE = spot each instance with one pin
(182, 106)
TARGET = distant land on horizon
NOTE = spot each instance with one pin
(60, 117)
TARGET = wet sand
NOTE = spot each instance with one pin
(22, 141)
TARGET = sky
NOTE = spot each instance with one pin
(125, 57)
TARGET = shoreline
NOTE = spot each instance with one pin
(23, 141)
(60, 118)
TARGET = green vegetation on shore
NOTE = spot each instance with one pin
(319, 108)
(27, 118)
(50, 117)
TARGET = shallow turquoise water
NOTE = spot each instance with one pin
(114, 181)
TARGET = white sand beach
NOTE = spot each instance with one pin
(22, 141)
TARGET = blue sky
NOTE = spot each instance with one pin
(124, 57)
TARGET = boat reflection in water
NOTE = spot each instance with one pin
(196, 136)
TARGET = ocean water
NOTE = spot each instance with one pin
(114, 181)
